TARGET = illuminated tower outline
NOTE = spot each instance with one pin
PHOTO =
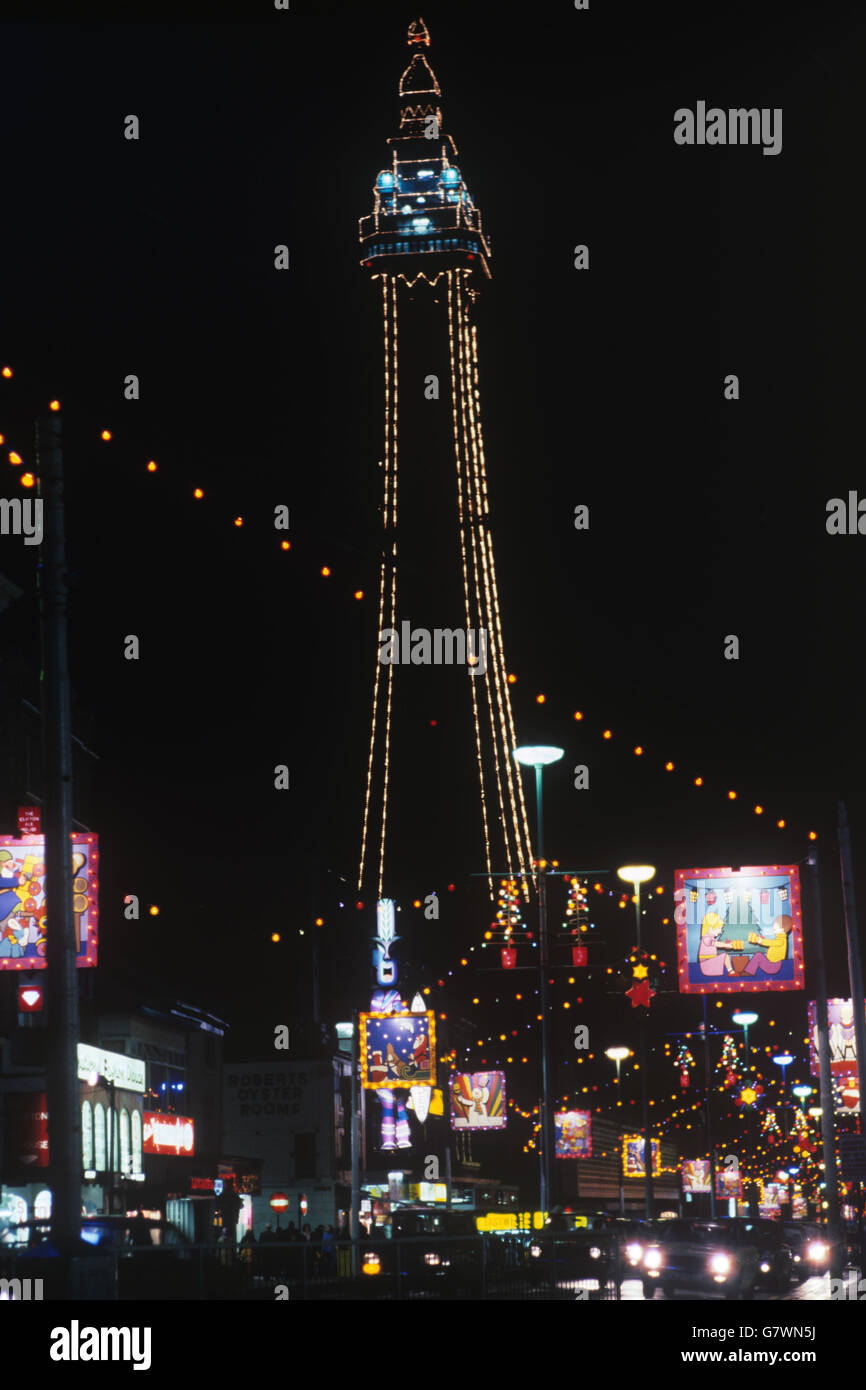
(426, 229)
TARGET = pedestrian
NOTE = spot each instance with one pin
(328, 1263)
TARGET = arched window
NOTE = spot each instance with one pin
(136, 1141)
(124, 1141)
(42, 1205)
(100, 1161)
(86, 1136)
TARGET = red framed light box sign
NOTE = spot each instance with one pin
(739, 931)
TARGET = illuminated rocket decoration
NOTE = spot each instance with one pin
(424, 241)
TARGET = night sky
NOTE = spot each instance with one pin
(707, 517)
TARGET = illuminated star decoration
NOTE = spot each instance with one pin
(640, 993)
(749, 1094)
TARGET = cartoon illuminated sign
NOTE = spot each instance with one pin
(398, 1050)
(841, 1037)
(23, 912)
(738, 930)
(573, 1130)
(633, 1156)
(696, 1175)
(478, 1100)
(728, 1183)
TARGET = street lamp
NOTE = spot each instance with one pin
(745, 1020)
(540, 756)
(637, 874)
(618, 1055)
(801, 1092)
(784, 1060)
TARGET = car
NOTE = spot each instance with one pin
(431, 1251)
(599, 1246)
(811, 1247)
(705, 1256)
(776, 1267)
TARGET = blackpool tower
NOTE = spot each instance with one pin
(424, 248)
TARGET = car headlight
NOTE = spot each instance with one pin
(431, 1258)
(594, 1252)
(535, 1251)
(372, 1264)
(653, 1259)
(633, 1253)
(796, 1259)
(765, 1268)
(720, 1264)
(817, 1250)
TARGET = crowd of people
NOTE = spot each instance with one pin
(275, 1251)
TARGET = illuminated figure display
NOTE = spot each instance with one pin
(385, 1064)
(425, 250)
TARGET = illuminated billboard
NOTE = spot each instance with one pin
(23, 913)
(840, 1035)
(738, 930)
(573, 1129)
(696, 1175)
(728, 1182)
(97, 1066)
(398, 1050)
(167, 1134)
(633, 1156)
(478, 1100)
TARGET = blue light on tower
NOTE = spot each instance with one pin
(385, 180)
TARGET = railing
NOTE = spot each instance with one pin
(509, 1265)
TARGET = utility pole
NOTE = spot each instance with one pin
(64, 1115)
(855, 973)
(707, 1088)
(355, 1219)
(831, 1179)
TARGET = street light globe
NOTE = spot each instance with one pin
(783, 1059)
(636, 873)
(744, 1019)
(801, 1092)
(538, 755)
(616, 1054)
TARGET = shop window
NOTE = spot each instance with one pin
(86, 1136)
(305, 1155)
(99, 1153)
(124, 1142)
(136, 1142)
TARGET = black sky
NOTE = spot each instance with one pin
(604, 388)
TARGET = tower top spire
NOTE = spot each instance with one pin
(418, 33)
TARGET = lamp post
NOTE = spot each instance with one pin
(637, 874)
(784, 1060)
(618, 1055)
(540, 756)
(745, 1018)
